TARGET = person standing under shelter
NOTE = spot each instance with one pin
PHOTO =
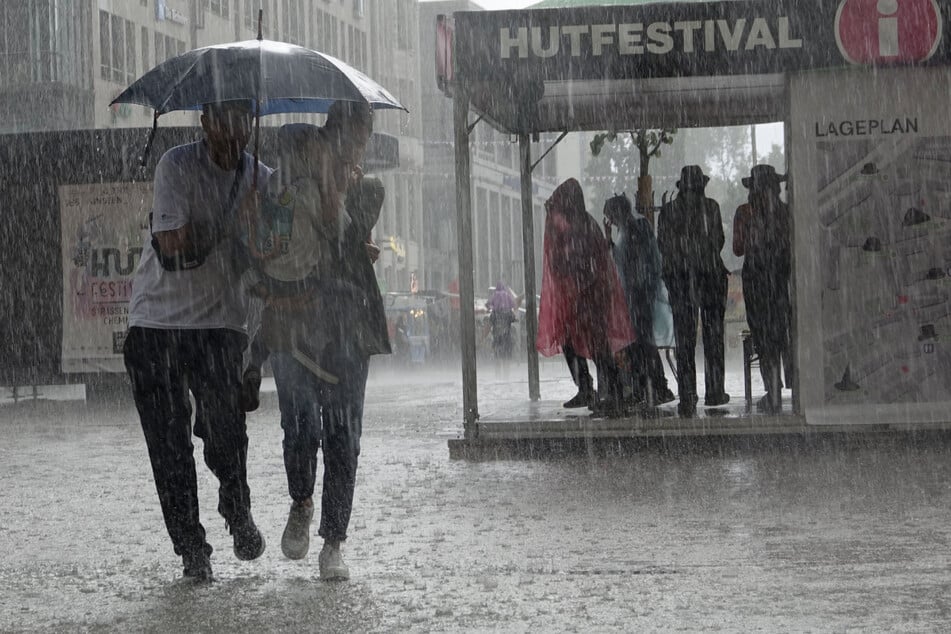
(690, 238)
(186, 334)
(582, 312)
(761, 230)
(639, 267)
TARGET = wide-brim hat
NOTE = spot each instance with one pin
(692, 176)
(762, 176)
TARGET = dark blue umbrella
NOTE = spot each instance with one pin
(275, 76)
(280, 77)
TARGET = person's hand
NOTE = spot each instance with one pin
(259, 290)
(356, 175)
(373, 251)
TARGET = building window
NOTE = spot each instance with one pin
(145, 49)
(129, 52)
(105, 47)
(351, 50)
(159, 48)
(116, 48)
(364, 63)
(220, 7)
(250, 15)
(404, 25)
(251, 9)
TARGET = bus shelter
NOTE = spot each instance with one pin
(862, 88)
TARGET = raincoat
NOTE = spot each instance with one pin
(639, 267)
(582, 303)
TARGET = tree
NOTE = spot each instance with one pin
(641, 142)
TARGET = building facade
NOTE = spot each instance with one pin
(63, 61)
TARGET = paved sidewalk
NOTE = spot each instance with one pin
(773, 541)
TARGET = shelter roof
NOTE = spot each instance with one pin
(666, 64)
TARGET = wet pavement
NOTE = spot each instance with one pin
(822, 539)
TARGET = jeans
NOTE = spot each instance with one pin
(314, 412)
(164, 365)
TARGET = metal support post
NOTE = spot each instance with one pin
(470, 402)
(528, 257)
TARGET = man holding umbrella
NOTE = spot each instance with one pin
(187, 333)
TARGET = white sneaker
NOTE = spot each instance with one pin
(295, 542)
(331, 563)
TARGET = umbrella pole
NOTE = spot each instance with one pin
(148, 143)
(257, 114)
(257, 140)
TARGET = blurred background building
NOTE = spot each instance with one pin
(63, 61)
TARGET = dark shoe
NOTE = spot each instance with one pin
(633, 401)
(581, 399)
(686, 410)
(251, 389)
(197, 567)
(664, 396)
(714, 400)
(248, 541)
(608, 408)
(765, 405)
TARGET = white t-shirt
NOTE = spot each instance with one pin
(190, 187)
(293, 214)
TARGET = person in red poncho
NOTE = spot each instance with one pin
(583, 313)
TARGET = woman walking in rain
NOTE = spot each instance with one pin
(582, 312)
(761, 230)
(323, 320)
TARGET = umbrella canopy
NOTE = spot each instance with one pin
(280, 77)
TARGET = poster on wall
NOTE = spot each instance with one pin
(102, 231)
(884, 209)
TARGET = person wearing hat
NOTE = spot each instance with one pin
(761, 231)
(690, 237)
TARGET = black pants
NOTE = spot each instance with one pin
(708, 297)
(164, 365)
(314, 413)
(609, 386)
(647, 369)
(767, 313)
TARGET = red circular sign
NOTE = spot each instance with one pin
(869, 31)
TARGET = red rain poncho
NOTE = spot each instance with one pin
(582, 303)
